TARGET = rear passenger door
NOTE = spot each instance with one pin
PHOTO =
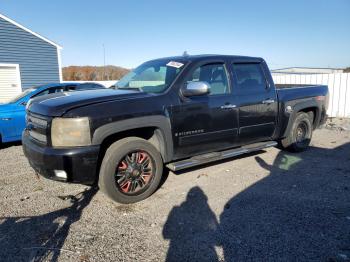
(257, 102)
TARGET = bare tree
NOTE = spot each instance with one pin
(93, 73)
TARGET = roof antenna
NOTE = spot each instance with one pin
(185, 53)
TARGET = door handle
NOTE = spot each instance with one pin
(228, 106)
(6, 118)
(268, 101)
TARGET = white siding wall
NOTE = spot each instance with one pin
(10, 84)
(338, 85)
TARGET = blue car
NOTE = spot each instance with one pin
(12, 114)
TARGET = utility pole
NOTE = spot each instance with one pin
(104, 62)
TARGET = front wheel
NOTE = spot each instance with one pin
(131, 170)
(300, 134)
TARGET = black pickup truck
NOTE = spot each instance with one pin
(177, 112)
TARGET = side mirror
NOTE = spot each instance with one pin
(197, 88)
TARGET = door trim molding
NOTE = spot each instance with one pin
(263, 124)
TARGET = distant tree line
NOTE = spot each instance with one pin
(93, 73)
(347, 70)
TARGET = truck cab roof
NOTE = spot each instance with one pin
(198, 58)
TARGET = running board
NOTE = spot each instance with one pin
(215, 156)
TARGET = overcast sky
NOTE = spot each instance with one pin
(286, 33)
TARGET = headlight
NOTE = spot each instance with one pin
(67, 132)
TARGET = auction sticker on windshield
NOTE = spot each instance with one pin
(175, 64)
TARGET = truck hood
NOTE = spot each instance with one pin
(60, 103)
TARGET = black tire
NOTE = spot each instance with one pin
(300, 134)
(122, 153)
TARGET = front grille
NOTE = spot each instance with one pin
(37, 127)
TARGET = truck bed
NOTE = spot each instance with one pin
(288, 92)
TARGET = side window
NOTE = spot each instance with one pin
(49, 91)
(249, 77)
(55, 90)
(86, 86)
(70, 88)
(215, 75)
(45, 92)
(59, 90)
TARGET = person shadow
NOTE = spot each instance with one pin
(300, 211)
(190, 228)
(41, 237)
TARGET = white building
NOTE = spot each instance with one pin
(307, 70)
(26, 59)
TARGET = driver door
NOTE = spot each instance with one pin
(206, 123)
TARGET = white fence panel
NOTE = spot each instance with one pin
(338, 85)
(347, 95)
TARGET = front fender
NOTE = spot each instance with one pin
(159, 121)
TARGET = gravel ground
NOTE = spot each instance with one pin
(267, 206)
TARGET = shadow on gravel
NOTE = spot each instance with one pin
(41, 238)
(10, 144)
(300, 212)
(190, 228)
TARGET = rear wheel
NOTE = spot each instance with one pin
(300, 134)
(131, 170)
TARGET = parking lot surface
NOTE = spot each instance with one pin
(268, 206)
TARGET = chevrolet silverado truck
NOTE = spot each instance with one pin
(175, 112)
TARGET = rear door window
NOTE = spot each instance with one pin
(249, 77)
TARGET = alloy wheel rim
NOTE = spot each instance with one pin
(134, 173)
(301, 133)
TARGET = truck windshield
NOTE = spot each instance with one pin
(151, 77)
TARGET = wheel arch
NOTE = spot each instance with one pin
(306, 107)
(155, 129)
(315, 113)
